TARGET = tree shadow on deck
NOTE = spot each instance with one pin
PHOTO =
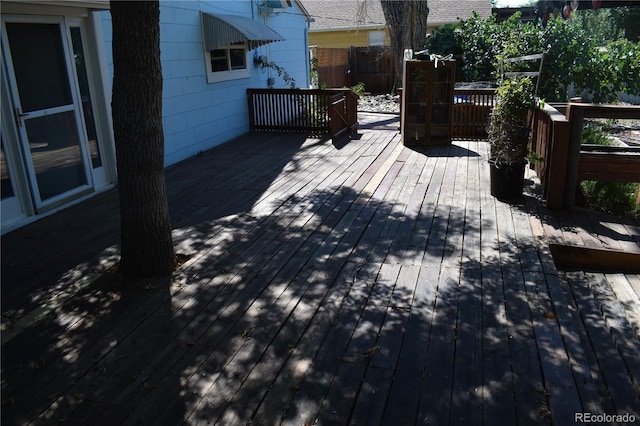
(47, 265)
(45, 259)
(303, 303)
(49, 256)
(309, 309)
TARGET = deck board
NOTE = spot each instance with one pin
(611, 366)
(356, 283)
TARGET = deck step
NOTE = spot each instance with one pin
(595, 259)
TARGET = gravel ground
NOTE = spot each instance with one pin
(629, 135)
(379, 103)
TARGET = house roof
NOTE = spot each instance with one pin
(303, 9)
(89, 4)
(332, 15)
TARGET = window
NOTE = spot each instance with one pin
(377, 38)
(227, 63)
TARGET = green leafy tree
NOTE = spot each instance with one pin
(443, 40)
(627, 54)
(567, 56)
(481, 41)
(585, 54)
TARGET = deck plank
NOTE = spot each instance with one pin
(589, 383)
(628, 299)
(466, 399)
(619, 385)
(404, 396)
(531, 402)
(435, 398)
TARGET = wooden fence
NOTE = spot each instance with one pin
(374, 66)
(314, 111)
(344, 67)
(557, 139)
(601, 166)
(333, 66)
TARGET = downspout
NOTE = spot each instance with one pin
(309, 20)
(268, 45)
(307, 55)
(257, 52)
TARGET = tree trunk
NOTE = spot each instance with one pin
(407, 24)
(420, 13)
(396, 14)
(146, 243)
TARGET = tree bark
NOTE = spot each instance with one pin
(396, 15)
(146, 242)
(420, 13)
(407, 24)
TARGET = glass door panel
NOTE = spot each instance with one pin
(39, 65)
(55, 152)
(47, 111)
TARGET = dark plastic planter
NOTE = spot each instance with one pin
(507, 181)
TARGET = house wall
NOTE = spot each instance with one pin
(341, 38)
(348, 38)
(198, 115)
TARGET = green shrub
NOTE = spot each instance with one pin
(609, 197)
(595, 136)
(358, 89)
(508, 129)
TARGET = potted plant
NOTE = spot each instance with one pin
(508, 132)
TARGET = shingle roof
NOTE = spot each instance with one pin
(349, 14)
(451, 11)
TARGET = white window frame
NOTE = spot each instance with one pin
(218, 76)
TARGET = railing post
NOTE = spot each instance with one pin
(352, 111)
(575, 115)
(558, 153)
(252, 123)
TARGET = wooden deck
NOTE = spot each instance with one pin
(356, 283)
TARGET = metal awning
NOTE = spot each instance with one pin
(223, 30)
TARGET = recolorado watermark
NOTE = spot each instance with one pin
(604, 418)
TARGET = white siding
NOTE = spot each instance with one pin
(198, 115)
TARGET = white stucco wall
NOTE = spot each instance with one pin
(198, 115)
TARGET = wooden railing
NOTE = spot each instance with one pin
(585, 163)
(309, 110)
(471, 109)
(550, 141)
(314, 111)
(565, 161)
